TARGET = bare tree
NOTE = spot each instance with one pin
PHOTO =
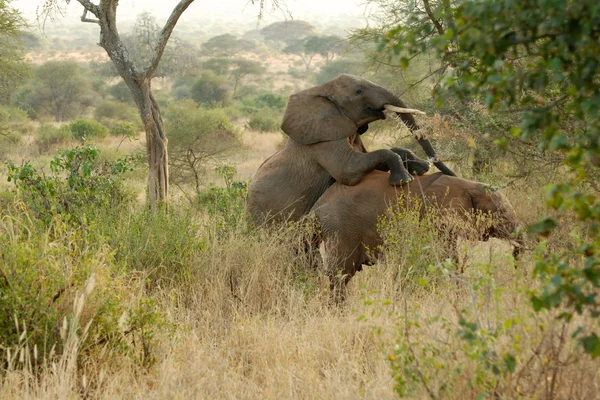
(138, 79)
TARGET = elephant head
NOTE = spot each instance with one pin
(343, 107)
(505, 221)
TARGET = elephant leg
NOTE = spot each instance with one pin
(348, 166)
(342, 266)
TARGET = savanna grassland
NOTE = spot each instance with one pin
(102, 298)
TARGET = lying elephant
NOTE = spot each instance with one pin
(319, 122)
(347, 215)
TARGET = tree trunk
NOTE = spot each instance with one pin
(156, 141)
(139, 82)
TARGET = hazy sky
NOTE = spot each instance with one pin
(229, 9)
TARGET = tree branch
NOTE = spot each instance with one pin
(437, 24)
(84, 19)
(89, 6)
(165, 34)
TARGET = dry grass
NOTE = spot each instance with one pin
(255, 322)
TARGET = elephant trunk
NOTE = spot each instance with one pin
(411, 123)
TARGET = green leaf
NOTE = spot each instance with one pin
(591, 345)
(544, 227)
(510, 362)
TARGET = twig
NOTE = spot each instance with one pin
(412, 353)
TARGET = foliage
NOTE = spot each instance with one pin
(340, 66)
(123, 129)
(236, 70)
(59, 89)
(178, 58)
(13, 120)
(211, 89)
(197, 138)
(263, 123)
(76, 190)
(226, 204)
(115, 110)
(13, 69)
(83, 129)
(271, 100)
(226, 45)
(120, 92)
(541, 61)
(306, 48)
(284, 31)
(59, 284)
(49, 136)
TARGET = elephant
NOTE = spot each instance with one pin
(346, 216)
(324, 124)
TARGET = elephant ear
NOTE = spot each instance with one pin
(313, 117)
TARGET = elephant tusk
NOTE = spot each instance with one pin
(402, 110)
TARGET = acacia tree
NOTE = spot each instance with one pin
(138, 79)
(12, 67)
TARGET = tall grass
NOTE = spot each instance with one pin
(178, 304)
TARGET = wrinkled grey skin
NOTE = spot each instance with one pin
(324, 124)
(347, 216)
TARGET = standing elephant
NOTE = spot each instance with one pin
(347, 216)
(324, 124)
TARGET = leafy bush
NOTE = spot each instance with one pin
(123, 129)
(121, 92)
(263, 123)
(211, 89)
(83, 129)
(114, 110)
(15, 120)
(62, 288)
(182, 87)
(197, 139)
(225, 204)
(271, 100)
(8, 142)
(76, 190)
(49, 136)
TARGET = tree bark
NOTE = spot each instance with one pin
(139, 82)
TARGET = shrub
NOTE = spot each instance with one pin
(121, 92)
(62, 288)
(123, 129)
(225, 204)
(83, 129)
(49, 136)
(182, 87)
(211, 89)
(14, 119)
(77, 189)
(271, 100)
(263, 123)
(8, 141)
(197, 139)
(114, 110)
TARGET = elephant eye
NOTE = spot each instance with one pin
(359, 91)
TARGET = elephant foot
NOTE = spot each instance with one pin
(418, 167)
(398, 178)
(414, 164)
